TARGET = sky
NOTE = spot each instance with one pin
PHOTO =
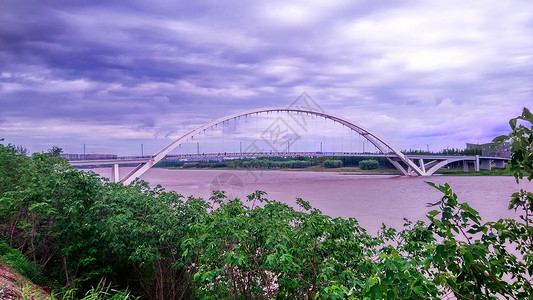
(112, 75)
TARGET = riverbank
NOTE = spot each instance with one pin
(353, 170)
(460, 172)
(358, 171)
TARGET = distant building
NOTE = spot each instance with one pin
(491, 149)
(92, 156)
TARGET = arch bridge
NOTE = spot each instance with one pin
(427, 165)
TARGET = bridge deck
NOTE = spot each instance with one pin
(140, 160)
(108, 161)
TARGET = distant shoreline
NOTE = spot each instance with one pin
(357, 171)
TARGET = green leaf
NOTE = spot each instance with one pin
(431, 184)
(512, 123)
(418, 290)
(527, 115)
(468, 258)
(500, 139)
(433, 213)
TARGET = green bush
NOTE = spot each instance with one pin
(14, 167)
(80, 228)
(369, 164)
(332, 163)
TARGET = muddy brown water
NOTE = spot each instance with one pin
(371, 199)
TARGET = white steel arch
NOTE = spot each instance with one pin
(412, 168)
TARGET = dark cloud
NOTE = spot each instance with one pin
(153, 69)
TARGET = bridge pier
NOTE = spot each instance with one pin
(115, 174)
(465, 166)
(397, 165)
(499, 163)
(485, 164)
(476, 164)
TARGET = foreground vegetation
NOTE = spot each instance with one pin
(79, 230)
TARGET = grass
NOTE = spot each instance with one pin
(28, 269)
(100, 292)
(29, 292)
(14, 259)
(459, 172)
(349, 170)
(308, 169)
(481, 172)
(381, 171)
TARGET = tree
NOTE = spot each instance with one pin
(368, 164)
(332, 163)
(521, 140)
(14, 167)
(55, 151)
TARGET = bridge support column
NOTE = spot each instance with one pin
(465, 166)
(499, 163)
(422, 166)
(398, 166)
(115, 174)
(485, 164)
(476, 164)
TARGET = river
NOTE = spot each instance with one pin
(371, 199)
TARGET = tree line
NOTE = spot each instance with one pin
(280, 163)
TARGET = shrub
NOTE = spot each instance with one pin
(368, 164)
(332, 163)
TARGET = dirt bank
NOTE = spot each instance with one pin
(14, 286)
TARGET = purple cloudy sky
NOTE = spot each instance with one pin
(114, 74)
